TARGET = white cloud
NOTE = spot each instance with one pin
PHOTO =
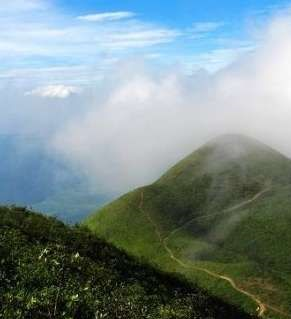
(54, 91)
(49, 39)
(201, 30)
(147, 119)
(141, 118)
(140, 38)
(202, 27)
(218, 59)
(41, 39)
(107, 16)
(23, 5)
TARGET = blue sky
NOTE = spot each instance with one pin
(46, 42)
(109, 80)
(179, 13)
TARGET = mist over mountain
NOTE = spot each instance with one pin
(158, 130)
(140, 117)
(221, 217)
(148, 117)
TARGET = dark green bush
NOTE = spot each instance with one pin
(50, 270)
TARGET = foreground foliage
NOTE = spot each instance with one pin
(50, 270)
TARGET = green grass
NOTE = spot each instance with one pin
(251, 243)
(50, 270)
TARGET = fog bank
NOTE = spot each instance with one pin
(148, 118)
(142, 117)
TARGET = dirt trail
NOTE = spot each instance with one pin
(228, 210)
(249, 201)
(262, 307)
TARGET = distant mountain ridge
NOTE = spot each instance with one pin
(31, 176)
(221, 217)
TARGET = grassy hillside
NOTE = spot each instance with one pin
(50, 270)
(221, 217)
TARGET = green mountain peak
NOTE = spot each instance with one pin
(221, 217)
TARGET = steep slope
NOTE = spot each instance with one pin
(50, 270)
(221, 216)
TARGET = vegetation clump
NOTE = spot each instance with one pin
(51, 270)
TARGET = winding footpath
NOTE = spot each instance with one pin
(262, 307)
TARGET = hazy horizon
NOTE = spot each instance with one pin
(121, 108)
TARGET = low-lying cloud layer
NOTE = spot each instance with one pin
(148, 119)
(144, 118)
(54, 91)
